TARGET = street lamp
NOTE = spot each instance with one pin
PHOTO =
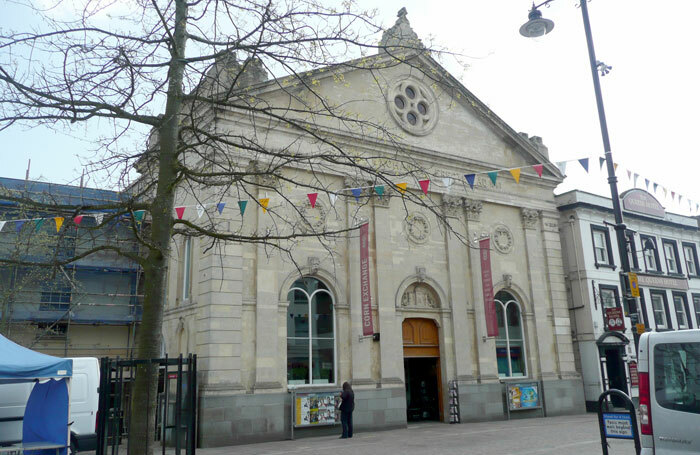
(538, 26)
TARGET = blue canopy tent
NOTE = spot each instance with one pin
(45, 418)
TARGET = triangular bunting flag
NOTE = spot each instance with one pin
(680, 198)
(332, 197)
(602, 162)
(2, 224)
(264, 202)
(584, 163)
(646, 183)
(656, 185)
(470, 179)
(356, 192)
(19, 224)
(424, 185)
(493, 175)
(629, 174)
(562, 167)
(241, 206)
(379, 189)
(98, 218)
(200, 210)
(78, 219)
(180, 211)
(220, 207)
(138, 216)
(673, 195)
(59, 222)
(516, 175)
(636, 176)
(538, 168)
(665, 191)
(402, 187)
(447, 181)
(39, 224)
(312, 199)
(615, 166)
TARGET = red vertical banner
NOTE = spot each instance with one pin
(366, 295)
(487, 287)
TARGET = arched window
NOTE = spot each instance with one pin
(510, 343)
(310, 333)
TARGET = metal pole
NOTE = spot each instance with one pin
(620, 228)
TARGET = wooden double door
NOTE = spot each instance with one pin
(421, 352)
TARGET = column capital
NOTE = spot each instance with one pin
(452, 205)
(530, 217)
(472, 209)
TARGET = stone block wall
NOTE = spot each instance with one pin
(564, 396)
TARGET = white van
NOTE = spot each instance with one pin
(84, 399)
(669, 392)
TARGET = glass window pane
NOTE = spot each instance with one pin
(514, 330)
(657, 304)
(297, 314)
(322, 310)
(502, 358)
(501, 321)
(607, 296)
(517, 357)
(696, 304)
(680, 312)
(322, 361)
(297, 361)
(677, 376)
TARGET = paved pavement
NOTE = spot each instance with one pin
(570, 435)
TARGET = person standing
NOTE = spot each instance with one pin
(347, 405)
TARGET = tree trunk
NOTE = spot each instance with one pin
(143, 402)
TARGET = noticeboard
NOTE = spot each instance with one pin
(315, 408)
(523, 396)
(614, 319)
(618, 425)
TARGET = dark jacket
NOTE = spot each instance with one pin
(348, 403)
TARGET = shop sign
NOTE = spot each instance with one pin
(614, 319)
(618, 425)
(487, 288)
(365, 293)
(523, 396)
(640, 201)
(656, 281)
(634, 376)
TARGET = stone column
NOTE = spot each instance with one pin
(485, 346)
(390, 345)
(453, 209)
(539, 294)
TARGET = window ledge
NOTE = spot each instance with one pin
(655, 272)
(676, 275)
(605, 266)
(694, 276)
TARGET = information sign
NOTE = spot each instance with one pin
(523, 396)
(618, 425)
(640, 328)
(634, 284)
(634, 375)
(614, 319)
(318, 408)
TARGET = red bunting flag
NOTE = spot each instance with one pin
(424, 184)
(312, 199)
(78, 219)
(180, 212)
(538, 168)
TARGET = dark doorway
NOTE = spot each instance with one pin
(422, 388)
(615, 371)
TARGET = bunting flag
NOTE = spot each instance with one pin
(379, 189)
(98, 218)
(332, 197)
(19, 224)
(470, 179)
(673, 195)
(264, 202)
(680, 198)
(447, 181)
(615, 166)
(200, 210)
(241, 206)
(562, 167)
(656, 185)
(646, 183)
(2, 224)
(516, 175)
(402, 187)
(424, 185)
(138, 215)
(180, 211)
(602, 162)
(356, 192)
(59, 222)
(538, 168)
(629, 174)
(77, 220)
(39, 224)
(493, 176)
(220, 207)
(312, 199)
(584, 163)
(636, 176)
(665, 191)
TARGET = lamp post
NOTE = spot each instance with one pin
(538, 26)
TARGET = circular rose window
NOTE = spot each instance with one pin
(412, 104)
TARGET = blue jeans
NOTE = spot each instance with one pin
(346, 422)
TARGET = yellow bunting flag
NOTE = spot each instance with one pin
(516, 174)
(402, 187)
(59, 222)
(264, 202)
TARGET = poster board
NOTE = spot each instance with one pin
(523, 396)
(318, 408)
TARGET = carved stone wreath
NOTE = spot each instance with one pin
(503, 239)
(417, 228)
(413, 105)
(312, 219)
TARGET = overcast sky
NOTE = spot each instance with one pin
(540, 86)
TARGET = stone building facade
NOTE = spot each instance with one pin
(265, 323)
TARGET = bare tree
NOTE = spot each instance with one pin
(169, 70)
